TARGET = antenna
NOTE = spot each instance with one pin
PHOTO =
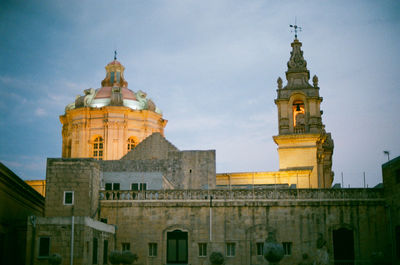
(387, 153)
(295, 28)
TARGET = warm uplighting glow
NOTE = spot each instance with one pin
(298, 114)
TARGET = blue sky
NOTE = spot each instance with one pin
(211, 66)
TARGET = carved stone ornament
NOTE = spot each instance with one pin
(297, 62)
(279, 81)
(315, 81)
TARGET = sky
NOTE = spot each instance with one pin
(211, 67)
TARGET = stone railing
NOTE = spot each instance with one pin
(245, 194)
(299, 130)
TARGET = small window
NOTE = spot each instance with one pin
(287, 248)
(260, 248)
(68, 197)
(152, 249)
(44, 246)
(202, 249)
(126, 246)
(116, 186)
(230, 249)
(108, 186)
(139, 186)
(103, 220)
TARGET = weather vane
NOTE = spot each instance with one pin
(295, 27)
(115, 55)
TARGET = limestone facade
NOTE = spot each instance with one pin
(244, 218)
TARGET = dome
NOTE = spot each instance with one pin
(114, 91)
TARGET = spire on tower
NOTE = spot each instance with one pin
(115, 55)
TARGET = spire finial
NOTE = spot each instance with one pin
(295, 27)
(115, 55)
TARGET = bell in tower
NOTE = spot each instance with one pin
(302, 140)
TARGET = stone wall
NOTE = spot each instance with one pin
(58, 230)
(82, 176)
(244, 217)
(153, 147)
(182, 169)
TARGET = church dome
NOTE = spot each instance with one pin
(114, 91)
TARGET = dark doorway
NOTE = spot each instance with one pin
(343, 246)
(177, 247)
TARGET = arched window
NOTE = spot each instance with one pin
(98, 148)
(131, 144)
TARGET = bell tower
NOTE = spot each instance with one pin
(302, 140)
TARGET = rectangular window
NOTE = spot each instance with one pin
(126, 246)
(260, 248)
(139, 186)
(95, 246)
(152, 249)
(68, 197)
(103, 220)
(108, 186)
(287, 248)
(116, 186)
(135, 186)
(44, 246)
(105, 251)
(230, 249)
(202, 249)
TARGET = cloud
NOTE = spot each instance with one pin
(40, 112)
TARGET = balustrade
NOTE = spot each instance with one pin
(245, 194)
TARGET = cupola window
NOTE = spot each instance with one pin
(112, 78)
(131, 144)
(98, 148)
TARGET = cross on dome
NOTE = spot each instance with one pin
(295, 28)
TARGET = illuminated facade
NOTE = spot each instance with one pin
(302, 140)
(305, 149)
(108, 122)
